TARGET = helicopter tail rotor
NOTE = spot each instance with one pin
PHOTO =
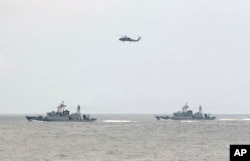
(139, 38)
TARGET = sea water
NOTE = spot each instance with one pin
(122, 138)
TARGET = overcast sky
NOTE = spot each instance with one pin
(194, 51)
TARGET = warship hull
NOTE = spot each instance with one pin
(182, 118)
(162, 117)
(62, 116)
(38, 118)
(186, 114)
(191, 118)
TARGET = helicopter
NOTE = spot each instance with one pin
(125, 38)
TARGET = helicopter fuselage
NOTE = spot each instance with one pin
(125, 38)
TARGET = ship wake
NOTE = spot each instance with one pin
(244, 119)
(117, 121)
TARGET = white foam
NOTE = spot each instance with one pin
(227, 119)
(188, 121)
(116, 121)
(165, 119)
(36, 121)
(246, 119)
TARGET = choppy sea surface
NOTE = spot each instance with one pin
(122, 138)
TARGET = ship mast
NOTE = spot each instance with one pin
(61, 107)
(185, 108)
(200, 109)
(78, 110)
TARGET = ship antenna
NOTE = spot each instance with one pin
(78, 110)
(185, 108)
(200, 109)
(61, 107)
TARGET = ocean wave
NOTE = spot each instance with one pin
(227, 119)
(36, 121)
(244, 119)
(116, 121)
(188, 121)
(165, 120)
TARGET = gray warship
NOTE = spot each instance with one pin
(63, 115)
(186, 114)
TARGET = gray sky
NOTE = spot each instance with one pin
(194, 51)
